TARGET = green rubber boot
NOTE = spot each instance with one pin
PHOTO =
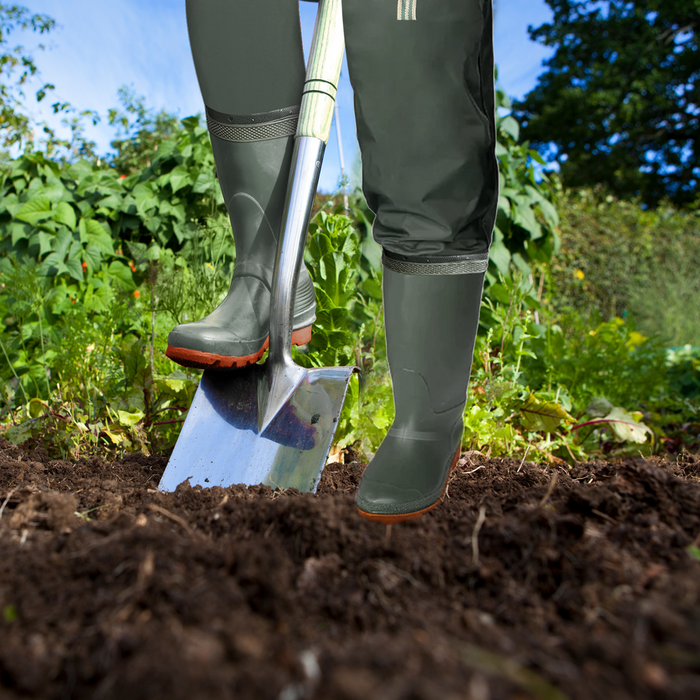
(431, 324)
(253, 171)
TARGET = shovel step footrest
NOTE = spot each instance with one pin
(210, 360)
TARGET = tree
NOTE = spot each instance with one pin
(620, 103)
(138, 139)
(16, 127)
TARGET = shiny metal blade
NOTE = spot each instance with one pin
(220, 444)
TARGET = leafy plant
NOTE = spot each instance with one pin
(622, 261)
(525, 231)
(139, 132)
(16, 125)
(98, 267)
(332, 255)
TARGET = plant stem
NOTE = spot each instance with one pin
(13, 371)
(24, 347)
(152, 279)
(43, 354)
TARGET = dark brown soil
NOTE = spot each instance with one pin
(575, 582)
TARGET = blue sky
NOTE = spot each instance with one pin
(99, 46)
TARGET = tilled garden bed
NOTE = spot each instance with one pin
(530, 581)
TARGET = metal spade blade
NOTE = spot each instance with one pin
(220, 443)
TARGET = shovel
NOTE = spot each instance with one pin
(274, 423)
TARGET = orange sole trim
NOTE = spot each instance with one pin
(210, 360)
(401, 517)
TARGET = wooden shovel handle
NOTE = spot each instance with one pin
(322, 72)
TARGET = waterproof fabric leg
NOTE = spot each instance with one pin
(250, 67)
(431, 325)
(424, 105)
(248, 56)
(423, 78)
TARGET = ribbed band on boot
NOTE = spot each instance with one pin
(436, 265)
(253, 127)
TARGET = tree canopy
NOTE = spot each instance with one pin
(139, 130)
(16, 67)
(619, 103)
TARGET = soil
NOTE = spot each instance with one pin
(529, 581)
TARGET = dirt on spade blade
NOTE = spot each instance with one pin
(529, 581)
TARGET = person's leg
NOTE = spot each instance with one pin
(249, 61)
(424, 103)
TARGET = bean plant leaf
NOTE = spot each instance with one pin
(19, 231)
(510, 126)
(500, 293)
(74, 267)
(92, 257)
(525, 217)
(179, 177)
(138, 250)
(121, 272)
(65, 214)
(43, 240)
(35, 210)
(499, 255)
(52, 265)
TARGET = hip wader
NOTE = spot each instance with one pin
(422, 73)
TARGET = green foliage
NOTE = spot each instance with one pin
(15, 127)
(170, 200)
(98, 266)
(532, 380)
(614, 103)
(80, 379)
(60, 220)
(332, 255)
(619, 260)
(140, 132)
(683, 370)
(73, 220)
(526, 222)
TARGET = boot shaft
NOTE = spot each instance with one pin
(253, 173)
(431, 323)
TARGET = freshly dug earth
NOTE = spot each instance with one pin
(530, 581)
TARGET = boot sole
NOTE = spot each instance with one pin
(401, 517)
(210, 360)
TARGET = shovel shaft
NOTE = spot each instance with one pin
(313, 130)
(306, 167)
